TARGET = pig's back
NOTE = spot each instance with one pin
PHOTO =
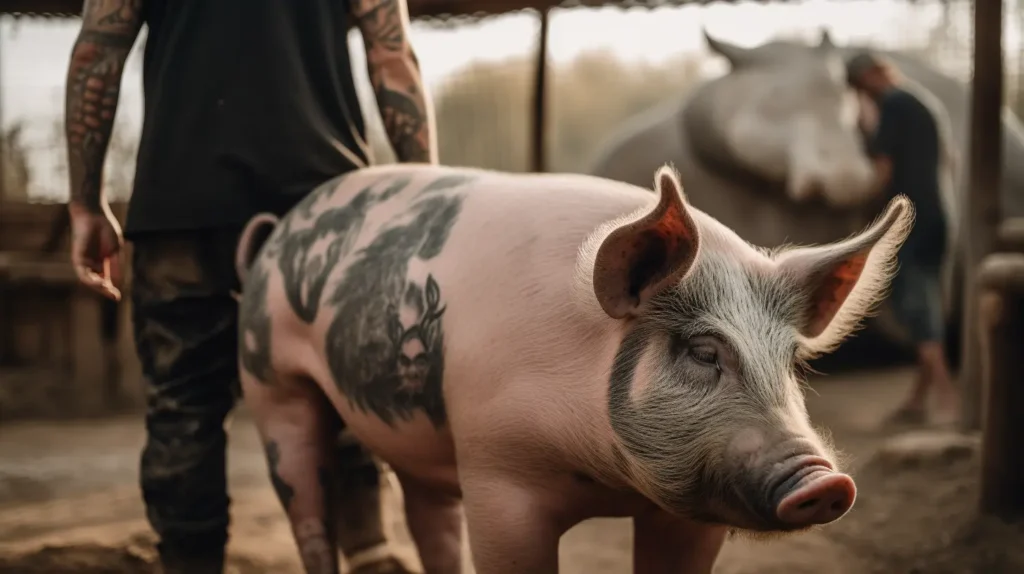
(426, 281)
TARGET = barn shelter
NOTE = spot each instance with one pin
(451, 12)
(90, 358)
(454, 12)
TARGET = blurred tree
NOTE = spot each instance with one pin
(483, 113)
(15, 169)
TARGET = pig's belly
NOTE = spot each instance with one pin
(412, 447)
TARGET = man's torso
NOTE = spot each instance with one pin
(249, 104)
(915, 155)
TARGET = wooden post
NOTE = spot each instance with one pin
(981, 204)
(540, 107)
(1001, 315)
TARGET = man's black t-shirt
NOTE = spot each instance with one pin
(249, 104)
(908, 134)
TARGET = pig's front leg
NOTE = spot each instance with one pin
(665, 544)
(435, 522)
(511, 529)
(294, 422)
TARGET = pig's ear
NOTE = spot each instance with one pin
(838, 284)
(640, 258)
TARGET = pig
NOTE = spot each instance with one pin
(529, 351)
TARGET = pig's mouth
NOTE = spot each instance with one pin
(793, 472)
(807, 491)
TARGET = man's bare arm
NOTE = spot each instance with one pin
(394, 72)
(109, 29)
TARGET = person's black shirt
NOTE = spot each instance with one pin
(249, 104)
(908, 134)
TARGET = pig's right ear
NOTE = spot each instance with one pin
(637, 260)
(838, 284)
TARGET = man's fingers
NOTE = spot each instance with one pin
(113, 269)
(89, 277)
(97, 282)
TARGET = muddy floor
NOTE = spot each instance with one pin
(69, 504)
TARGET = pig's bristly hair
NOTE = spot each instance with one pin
(883, 239)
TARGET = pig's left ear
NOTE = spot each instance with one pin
(637, 260)
(836, 285)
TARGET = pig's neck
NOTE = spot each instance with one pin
(573, 360)
(558, 345)
(590, 432)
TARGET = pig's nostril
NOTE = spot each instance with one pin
(808, 503)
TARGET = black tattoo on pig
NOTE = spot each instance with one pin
(254, 332)
(415, 342)
(386, 365)
(385, 362)
(304, 268)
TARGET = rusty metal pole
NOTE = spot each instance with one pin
(981, 209)
(540, 100)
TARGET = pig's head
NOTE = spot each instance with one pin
(704, 396)
(785, 112)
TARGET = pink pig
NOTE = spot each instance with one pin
(542, 349)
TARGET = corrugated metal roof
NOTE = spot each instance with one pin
(58, 8)
(442, 10)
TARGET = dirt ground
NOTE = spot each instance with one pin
(69, 504)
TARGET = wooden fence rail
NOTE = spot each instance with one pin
(64, 351)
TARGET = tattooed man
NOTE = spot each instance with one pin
(249, 105)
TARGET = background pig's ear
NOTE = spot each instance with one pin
(838, 284)
(639, 259)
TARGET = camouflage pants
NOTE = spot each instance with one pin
(185, 323)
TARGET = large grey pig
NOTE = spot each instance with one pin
(762, 143)
(542, 349)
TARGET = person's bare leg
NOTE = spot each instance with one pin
(918, 301)
(933, 380)
(939, 382)
(917, 398)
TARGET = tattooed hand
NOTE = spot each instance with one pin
(96, 250)
(109, 28)
(405, 106)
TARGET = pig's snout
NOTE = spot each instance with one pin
(808, 492)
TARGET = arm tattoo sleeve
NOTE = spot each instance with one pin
(405, 106)
(109, 28)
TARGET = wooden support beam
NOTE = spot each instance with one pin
(3, 141)
(540, 101)
(981, 208)
(1001, 315)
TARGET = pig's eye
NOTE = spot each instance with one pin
(705, 354)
